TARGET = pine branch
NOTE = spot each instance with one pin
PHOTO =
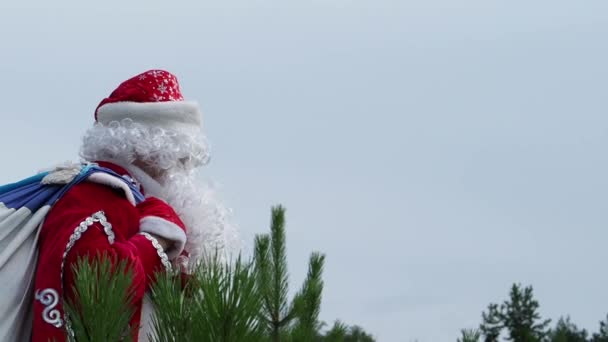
(220, 303)
(279, 274)
(229, 301)
(469, 335)
(270, 262)
(172, 320)
(262, 270)
(307, 303)
(101, 307)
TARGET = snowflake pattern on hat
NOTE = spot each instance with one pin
(149, 86)
(162, 86)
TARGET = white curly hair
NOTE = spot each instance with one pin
(128, 141)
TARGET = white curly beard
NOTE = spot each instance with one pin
(209, 230)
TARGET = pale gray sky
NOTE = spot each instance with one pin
(437, 151)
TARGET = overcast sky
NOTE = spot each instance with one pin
(436, 150)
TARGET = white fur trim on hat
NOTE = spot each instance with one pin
(179, 116)
(166, 230)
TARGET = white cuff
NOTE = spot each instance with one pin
(166, 230)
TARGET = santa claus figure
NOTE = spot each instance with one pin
(148, 134)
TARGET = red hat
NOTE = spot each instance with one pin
(152, 98)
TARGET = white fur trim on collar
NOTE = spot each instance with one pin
(151, 187)
(114, 182)
(179, 116)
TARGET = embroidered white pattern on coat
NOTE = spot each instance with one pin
(164, 259)
(76, 235)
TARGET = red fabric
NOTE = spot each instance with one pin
(154, 207)
(76, 205)
(150, 86)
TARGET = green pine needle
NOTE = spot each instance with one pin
(101, 307)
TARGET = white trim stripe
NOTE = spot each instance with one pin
(179, 116)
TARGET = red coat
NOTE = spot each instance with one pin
(67, 235)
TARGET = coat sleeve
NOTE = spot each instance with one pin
(89, 220)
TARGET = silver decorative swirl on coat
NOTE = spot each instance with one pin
(50, 298)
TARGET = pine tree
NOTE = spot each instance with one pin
(341, 332)
(566, 331)
(602, 335)
(492, 323)
(337, 333)
(296, 320)
(518, 315)
(469, 335)
(357, 334)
